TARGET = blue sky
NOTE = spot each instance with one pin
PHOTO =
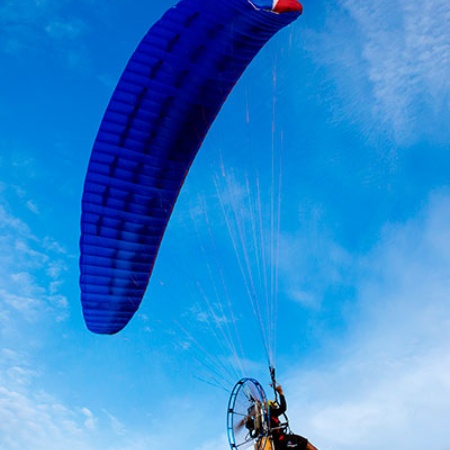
(353, 100)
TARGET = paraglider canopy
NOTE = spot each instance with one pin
(166, 100)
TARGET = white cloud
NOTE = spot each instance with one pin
(392, 64)
(29, 307)
(32, 206)
(368, 399)
(65, 30)
(31, 272)
(32, 418)
(310, 266)
(90, 421)
(31, 25)
(51, 245)
(7, 220)
(23, 245)
(13, 369)
(410, 62)
(37, 421)
(56, 268)
(389, 382)
(116, 425)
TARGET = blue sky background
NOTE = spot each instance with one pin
(353, 100)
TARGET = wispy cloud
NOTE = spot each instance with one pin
(393, 64)
(36, 420)
(14, 369)
(31, 205)
(311, 266)
(31, 417)
(90, 421)
(392, 374)
(27, 25)
(31, 271)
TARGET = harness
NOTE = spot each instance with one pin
(278, 429)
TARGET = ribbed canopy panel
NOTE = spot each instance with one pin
(166, 100)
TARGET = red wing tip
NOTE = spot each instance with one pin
(283, 6)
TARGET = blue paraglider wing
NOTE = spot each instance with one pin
(167, 98)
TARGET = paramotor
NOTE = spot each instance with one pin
(248, 416)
